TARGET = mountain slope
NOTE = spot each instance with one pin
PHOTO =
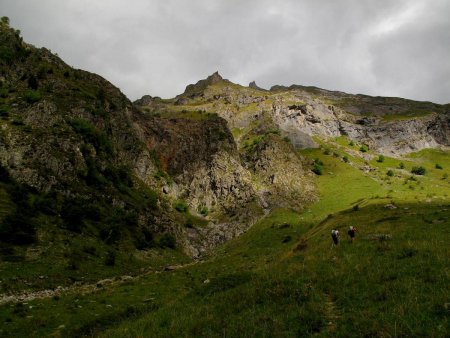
(392, 126)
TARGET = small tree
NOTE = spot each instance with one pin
(419, 170)
(364, 148)
(317, 167)
(5, 20)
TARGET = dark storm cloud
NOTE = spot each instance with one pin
(155, 47)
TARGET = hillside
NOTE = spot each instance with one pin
(209, 214)
(284, 277)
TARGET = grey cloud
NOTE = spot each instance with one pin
(158, 47)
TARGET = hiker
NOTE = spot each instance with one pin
(351, 232)
(335, 236)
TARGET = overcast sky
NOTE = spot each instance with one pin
(157, 47)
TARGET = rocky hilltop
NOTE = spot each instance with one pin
(391, 126)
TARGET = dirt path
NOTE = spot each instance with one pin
(78, 288)
(331, 313)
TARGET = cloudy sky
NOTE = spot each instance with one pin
(157, 47)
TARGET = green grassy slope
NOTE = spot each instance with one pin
(282, 278)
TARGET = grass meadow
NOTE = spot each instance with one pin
(283, 278)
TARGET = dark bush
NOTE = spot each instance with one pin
(438, 166)
(145, 240)
(189, 223)
(390, 173)
(4, 174)
(317, 167)
(18, 228)
(167, 241)
(33, 82)
(110, 259)
(345, 159)
(73, 214)
(380, 159)
(418, 170)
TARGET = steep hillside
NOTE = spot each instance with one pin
(283, 276)
(85, 163)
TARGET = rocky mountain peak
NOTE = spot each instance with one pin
(253, 85)
(200, 86)
(214, 78)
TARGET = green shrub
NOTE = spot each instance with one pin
(317, 169)
(351, 144)
(92, 135)
(364, 148)
(32, 96)
(438, 166)
(181, 206)
(380, 159)
(318, 162)
(151, 198)
(418, 170)
(390, 173)
(327, 151)
(401, 165)
(345, 159)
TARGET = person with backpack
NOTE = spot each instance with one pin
(351, 233)
(335, 236)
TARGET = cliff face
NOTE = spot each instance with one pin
(77, 141)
